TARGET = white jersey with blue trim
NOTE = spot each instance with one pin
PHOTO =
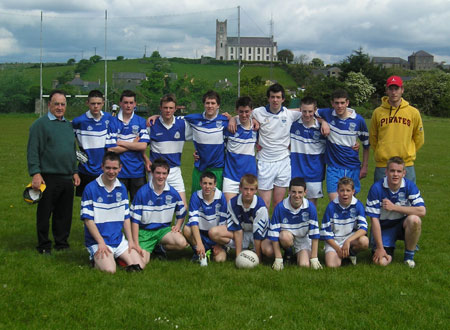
(340, 222)
(274, 128)
(205, 215)
(254, 219)
(407, 195)
(307, 152)
(300, 222)
(343, 134)
(152, 211)
(132, 161)
(207, 135)
(108, 210)
(240, 157)
(91, 136)
(167, 141)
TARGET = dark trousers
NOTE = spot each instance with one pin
(57, 201)
(133, 185)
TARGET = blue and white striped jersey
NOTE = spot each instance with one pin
(240, 157)
(300, 222)
(108, 209)
(307, 152)
(208, 140)
(152, 211)
(205, 215)
(339, 222)
(407, 195)
(343, 134)
(91, 136)
(255, 219)
(132, 161)
(168, 141)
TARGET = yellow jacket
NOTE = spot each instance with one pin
(395, 132)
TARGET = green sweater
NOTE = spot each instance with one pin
(51, 148)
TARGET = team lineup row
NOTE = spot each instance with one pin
(279, 129)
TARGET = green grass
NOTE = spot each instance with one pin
(62, 291)
(209, 72)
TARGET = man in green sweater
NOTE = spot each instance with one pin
(52, 161)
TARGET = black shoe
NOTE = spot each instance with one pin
(159, 252)
(45, 251)
(133, 268)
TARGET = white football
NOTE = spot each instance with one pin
(247, 259)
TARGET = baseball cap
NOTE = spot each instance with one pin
(32, 196)
(394, 80)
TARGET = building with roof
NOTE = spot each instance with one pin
(421, 60)
(390, 62)
(128, 80)
(250, 49)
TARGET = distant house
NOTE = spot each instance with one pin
(84, 86)
(251, 48)
(390, 62)
(421, 60)
(221, 84)
(128, 80)
(334, 71)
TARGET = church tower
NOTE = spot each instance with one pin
(221, 40)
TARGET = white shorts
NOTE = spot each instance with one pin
(174, 179)
(276, 173)
(340, 242)
(230, 186)
(301, 243)
(117, 251)
(246, 241)
(314, 190)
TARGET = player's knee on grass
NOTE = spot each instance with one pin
(332, 260)
(361, 244)
(219, 254)
(267, 249)
(286, 239)
(303, 258)
(106, 264)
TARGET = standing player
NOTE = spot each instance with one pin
(308, 150)
(104, 210)
(248, 221)
(128, 136)
(240, 146)
(91, 129)
(396, 129)
(207, 210)
(340, 156)
(152, 211)
(167, 137)
(207, 131)
(344, 226)
(294, 224)
(395, 208)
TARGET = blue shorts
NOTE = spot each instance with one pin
(334, 174)
(391, 232)
(208, 243)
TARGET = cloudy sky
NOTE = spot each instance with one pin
(328, 29)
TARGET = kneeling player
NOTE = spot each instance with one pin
(104, 210)
(344, 226)
(207, 209)
(248, 221)
(395, 208)
(294, 224)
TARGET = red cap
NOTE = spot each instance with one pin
(394, 80)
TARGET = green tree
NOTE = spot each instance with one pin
(71, 61)
(359, 87)
(65, 76)
(82, 66)
(15, 92)
(317, 63)
(321, 87)
(95, 58)
(285, 56)
(119, 58)
(155, 54)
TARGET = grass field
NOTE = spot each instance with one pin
(62, 292)
(209, 72)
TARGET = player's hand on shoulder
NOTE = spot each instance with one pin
(255, 124)
(151, 120)
(232, 126)
(196, 156)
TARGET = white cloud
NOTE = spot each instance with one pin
(8, 44)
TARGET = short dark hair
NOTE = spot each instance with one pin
(168, 98)
(344, 181)
(56, 91)
(275, 88)
(307, 100)
(111, 156)
(249, 179)
(244, 101)
(298, 182)
(95, 93)
(209, 175)
(395, 160)
(339, 94)
(211, 95)
(160, 162)
(127, 93)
